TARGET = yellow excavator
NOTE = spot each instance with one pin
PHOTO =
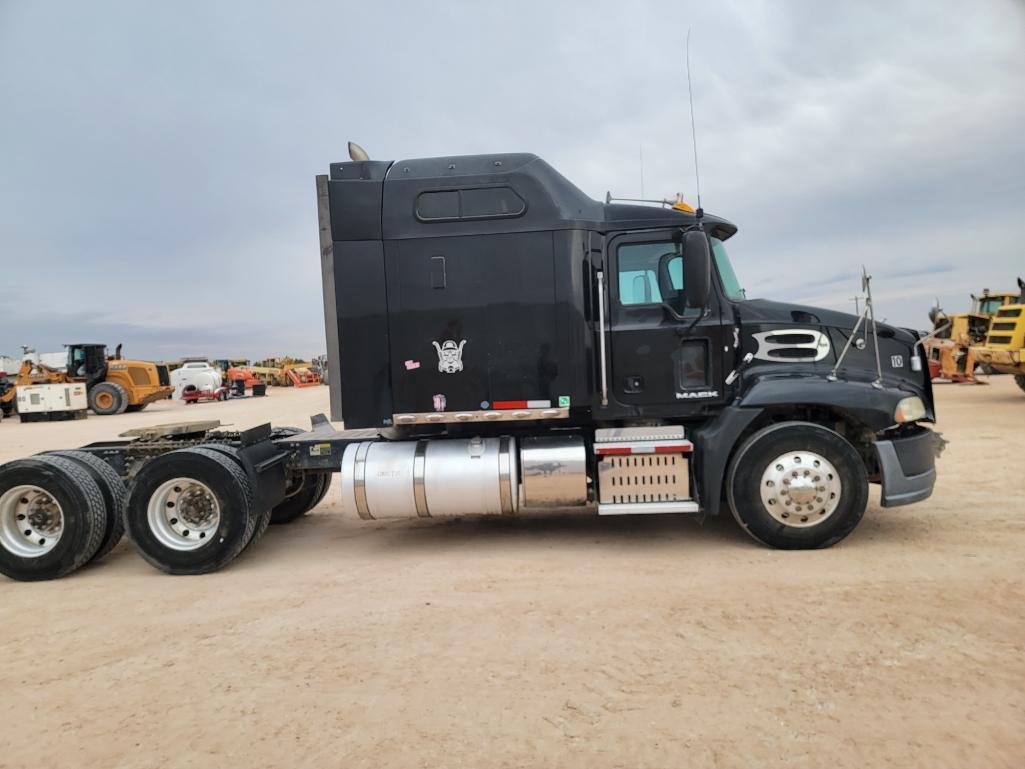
(113, 385)
(1003, 349)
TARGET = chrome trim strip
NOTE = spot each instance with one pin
(359, 481)
(505, 481)
(505, 415)
(419, 471)
(601, 339)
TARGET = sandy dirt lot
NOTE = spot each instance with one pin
(546, 641)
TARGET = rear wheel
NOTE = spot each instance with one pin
(137, 407)
(108, 398)
(52, 517)
(191, 511)
(1020, 380)
(114, 493)
(263, 518)
(304, 494)
(797, 485)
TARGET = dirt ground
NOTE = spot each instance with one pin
(545, 641)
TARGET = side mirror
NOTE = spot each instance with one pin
(697, 269)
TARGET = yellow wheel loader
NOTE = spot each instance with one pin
(1004, 347)
(113, 385)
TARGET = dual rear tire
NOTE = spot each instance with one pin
(305, 495)
(53, 517)
(192, 511)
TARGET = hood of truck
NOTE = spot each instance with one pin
(799, 340)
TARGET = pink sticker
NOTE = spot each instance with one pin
(412, 364)
(440, 402)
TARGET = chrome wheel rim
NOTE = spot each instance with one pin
(183, 514)
(800, 489)
(31, 521)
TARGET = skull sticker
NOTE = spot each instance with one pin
(450, 356)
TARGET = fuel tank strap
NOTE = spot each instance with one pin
(505, 486)
(359, 481)
(419, 489)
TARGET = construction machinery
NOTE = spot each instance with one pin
(286, 372)
(113, 385)
(1003, 349)
(239, 370)
(954, 340)
(31, 373)
(498, 341)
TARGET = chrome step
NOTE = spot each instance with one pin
(648, 508)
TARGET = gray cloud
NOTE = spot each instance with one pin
(157, 162)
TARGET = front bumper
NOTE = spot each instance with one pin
(1011, 361)
(907, 467)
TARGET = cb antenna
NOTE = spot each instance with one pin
(693, 133)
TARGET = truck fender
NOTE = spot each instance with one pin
(871, 406)
(715, 442)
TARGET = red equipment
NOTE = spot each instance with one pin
(192, 394)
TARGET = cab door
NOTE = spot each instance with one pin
(663, 362)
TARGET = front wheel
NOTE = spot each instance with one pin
(108, 398)
(1020, 380)
(797, 485)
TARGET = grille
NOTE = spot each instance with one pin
(999, 339)
(1012, 312)
(1003, 326)
(643, 478)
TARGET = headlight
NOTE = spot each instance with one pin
(909, 410)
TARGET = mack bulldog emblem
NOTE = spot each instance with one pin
(450, 356)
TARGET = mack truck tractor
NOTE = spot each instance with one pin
(500, 342)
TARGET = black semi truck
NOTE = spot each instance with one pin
(498, 341)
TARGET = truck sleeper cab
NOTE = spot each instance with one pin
(491, 320)
(500, 342)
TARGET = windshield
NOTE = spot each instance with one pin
(729, 278)
(990, 306)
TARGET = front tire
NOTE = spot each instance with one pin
(1019, 379)
(108, 398)
(797, 485)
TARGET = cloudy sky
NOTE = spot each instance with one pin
(157, 160)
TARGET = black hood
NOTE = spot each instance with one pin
(768, 311)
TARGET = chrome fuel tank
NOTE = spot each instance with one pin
(425, 478)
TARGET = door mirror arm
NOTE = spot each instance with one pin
(671, 312)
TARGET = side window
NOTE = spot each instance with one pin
(491, 203)
(438, 205)
(639, 279)
(472, 203)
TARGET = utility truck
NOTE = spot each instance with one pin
(499, 342)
